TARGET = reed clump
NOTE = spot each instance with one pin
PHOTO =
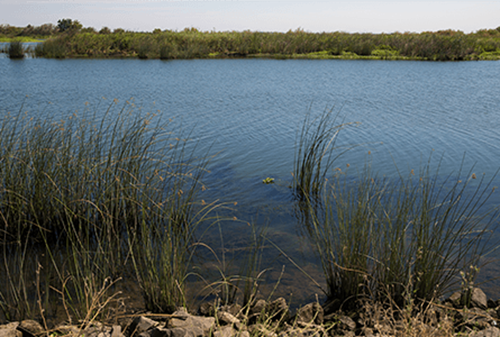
(15, 50)
(400, 240)
(88, 200)
(316, 152)
(388, 239)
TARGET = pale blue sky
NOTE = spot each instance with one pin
(259, 15)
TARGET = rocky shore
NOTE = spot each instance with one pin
(274, 319)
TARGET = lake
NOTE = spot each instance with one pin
(247, 113)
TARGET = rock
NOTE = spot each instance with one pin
(198, 326)
(479, 299)
(97, 330)
(141, 324)
(345, 323)
(68, 330)
(233, 309)
(207, 309)
(30, 328)
(261, 330)
(474, 318)
(455, 299)
(310, 331)
(258, 307)
(490, 332)
(311, 313)
(227, 319)
(116, 331)
(227, 331)
(182, 332)
(10, 330)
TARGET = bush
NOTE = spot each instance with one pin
(16, 50)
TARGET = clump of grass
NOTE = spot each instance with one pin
(381, 239)
(16, 50)
(87, 193)
(52, 48)
(315, 153)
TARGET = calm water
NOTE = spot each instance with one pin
(249, 111)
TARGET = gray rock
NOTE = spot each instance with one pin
(141, 324)
(10, 330)
(311, 313)
(116, 331)
(233, 309)
(97, 330)
(258, 307)
(474, 318)
(182, 332)
(225, 331)
(198, 326)
(479, 299)
(68, 330)
(227, 319)
(455, 299)
(30, 328)
(490, 332)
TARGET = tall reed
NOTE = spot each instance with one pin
(16, 50)
(316, 153)
(382, 240)
(89, 192)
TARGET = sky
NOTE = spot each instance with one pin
(259, 15)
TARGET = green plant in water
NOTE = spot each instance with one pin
(16, 49)
(268, 180)
(383, 239)
(87, 193)
(315, 153)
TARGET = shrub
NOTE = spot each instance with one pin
(16, 50)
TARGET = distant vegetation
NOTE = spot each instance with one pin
(70, 39)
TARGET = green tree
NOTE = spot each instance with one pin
(68, 25)
(105, 30)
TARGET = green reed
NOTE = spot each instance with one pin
(316, 153)
(16, 50)
(88, 193)
(394, 240)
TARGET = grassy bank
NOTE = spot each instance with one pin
(190, 43)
